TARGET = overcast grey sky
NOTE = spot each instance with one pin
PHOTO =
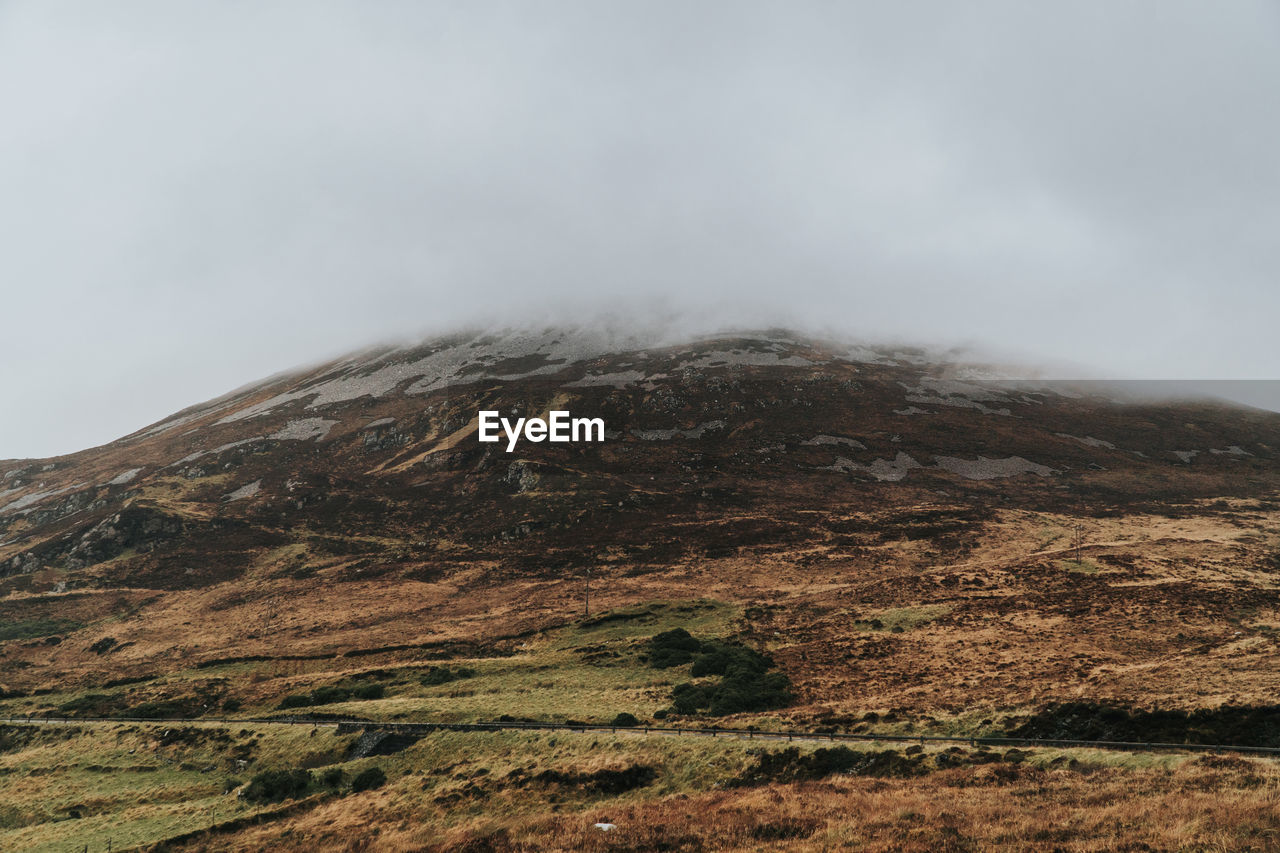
(196, 194)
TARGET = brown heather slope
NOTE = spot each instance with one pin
(1209, 803)
(899, 536)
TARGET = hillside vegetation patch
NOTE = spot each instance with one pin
(436, 675)
(747, 679)
(900, 619)
(1227, 725)
(792, 765)
(331, 693)
(41, 627)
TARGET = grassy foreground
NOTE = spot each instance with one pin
(135, 785)
(199, 786)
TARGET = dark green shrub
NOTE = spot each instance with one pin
(368, 779)
(687, 698)
(92, 704)
(672, 648)
(163, 709)
(272, 786)
(713, 662)
(625, 720)
(443, 675)
(297, 700)
(368, 691)
(748, 681)
(332, 777)
(1256, 725)
(731, 659)
(329, 693)
(749, 692)
(792, 765)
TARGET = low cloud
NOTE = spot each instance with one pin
(197, 196)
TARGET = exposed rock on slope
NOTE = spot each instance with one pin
(360, 489)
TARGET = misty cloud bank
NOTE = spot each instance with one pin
(194, 196)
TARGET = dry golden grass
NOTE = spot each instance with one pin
(1205, 804)
(1178, 614)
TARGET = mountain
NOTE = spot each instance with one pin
(775, 531)
(900, 532)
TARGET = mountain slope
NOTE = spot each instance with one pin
(900, 532)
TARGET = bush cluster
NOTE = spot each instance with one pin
(1256, 725)
(368, 779)
(333, 693)
(272, 786)
(792, 765)
(163, 708)
(672, 648)
(115, 705)
(748, 681)
(443, 675)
